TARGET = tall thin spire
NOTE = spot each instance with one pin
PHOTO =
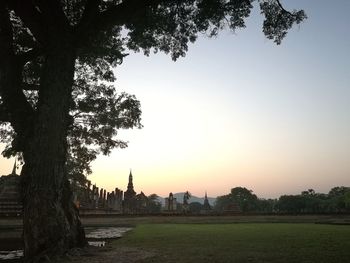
(14, 169)
(206, 204)
(130, 184)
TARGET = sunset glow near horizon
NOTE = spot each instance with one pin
(240, 111)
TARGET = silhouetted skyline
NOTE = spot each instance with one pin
(240, 111)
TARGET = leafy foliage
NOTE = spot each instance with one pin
(240, 196)
(308, 202)
(154, 205)
(97, 113)
(336, 201)
(278, 20)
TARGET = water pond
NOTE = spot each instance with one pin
(96, 236)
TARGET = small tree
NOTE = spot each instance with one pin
(239, 196)
(154, 204)
(245, 198)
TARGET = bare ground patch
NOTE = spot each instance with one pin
(109, 254)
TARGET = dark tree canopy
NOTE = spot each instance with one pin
(336, 201)
(246, 200)
(102, 32)
(56, 93)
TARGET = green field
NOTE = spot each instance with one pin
(239, 238)
(242, 242)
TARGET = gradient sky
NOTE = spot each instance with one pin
(240, 111)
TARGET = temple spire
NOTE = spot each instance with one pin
(130, 184)
(129, 197)
(206, 204)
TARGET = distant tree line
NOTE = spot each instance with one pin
(240, 199)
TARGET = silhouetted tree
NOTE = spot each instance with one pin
(154, 205)
(266, 205)
(222, 202)
(338, 191)
(336, 201)
(245, 199)
(290, 204)
(45, 46)
(340, 198)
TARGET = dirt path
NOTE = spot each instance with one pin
(109, 254)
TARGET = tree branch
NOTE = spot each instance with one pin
(29, 55)
(32, 19)
(117, 15)
(53, 14)
(14, 103)
(124, 12)
(6, 30)
(282, 8)
(4, 115)
(29, 87)
(91, 10)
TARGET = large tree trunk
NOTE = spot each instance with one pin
(50, 221)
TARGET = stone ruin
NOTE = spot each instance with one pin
(10, 198)
(170, 203)
(93, 198)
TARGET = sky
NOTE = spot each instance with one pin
(240, 111)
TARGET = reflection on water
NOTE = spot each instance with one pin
(106, 232)
(14, 254)
(97, 243)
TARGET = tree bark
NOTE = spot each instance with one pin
(51, 223)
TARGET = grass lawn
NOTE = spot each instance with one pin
(243, 242)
